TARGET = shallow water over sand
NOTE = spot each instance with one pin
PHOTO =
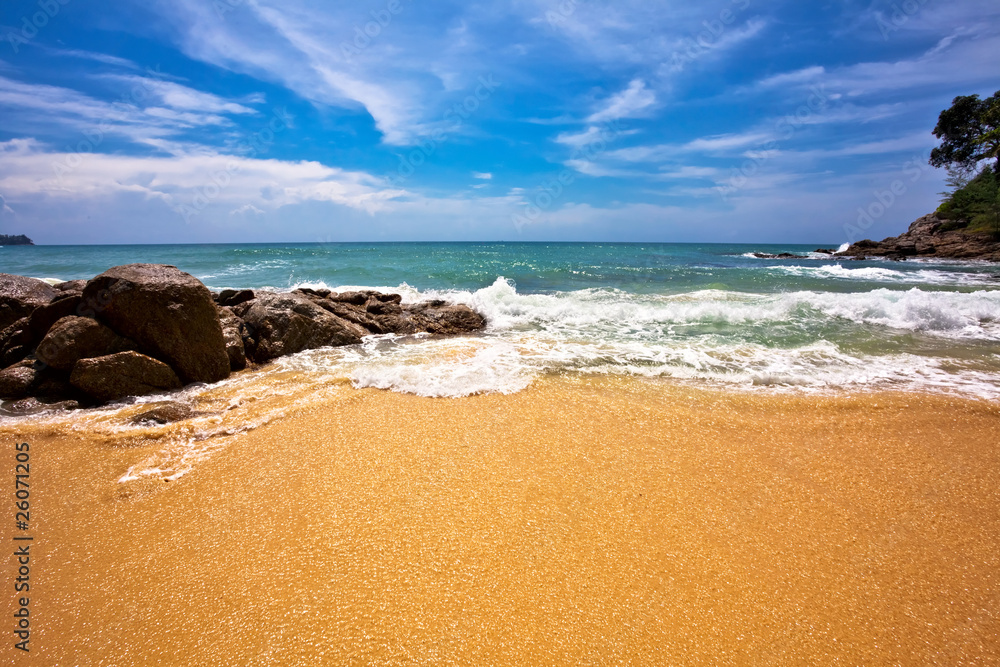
(579, 521)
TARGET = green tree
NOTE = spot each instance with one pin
(969, 132)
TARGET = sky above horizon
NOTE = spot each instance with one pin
(397, 120)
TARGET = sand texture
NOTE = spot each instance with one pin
(579, 522)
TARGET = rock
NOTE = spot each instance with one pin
(281, 324)
(377, 307)
(825, 251)
(17, 381)
(232, 333)
(784, 255)
(121, 375)
(384, 313)
(19, 296)
(71, 286)
(168, 313)
(73, 338)
(321, 293)
(352, 313)
(232, 297)
(64, 305)
(16, 342)
(31, 406)
(54, 389)
(930, 236)
(164, 413)
(356, 298)
(447, 319)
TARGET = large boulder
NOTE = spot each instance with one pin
(73, 338)
(121, 375)
(281, 324)
(168, 312)
(19, 296)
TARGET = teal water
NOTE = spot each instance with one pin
(534, 267)
(694, 313)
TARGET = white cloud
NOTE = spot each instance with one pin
(39, 109)
(193, 180)
(245, 209)
(626, 104)
(482, 174)
(177, 96)
(961, 60)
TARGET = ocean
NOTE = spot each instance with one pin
(704, 314)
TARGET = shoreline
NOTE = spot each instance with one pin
(580, 520)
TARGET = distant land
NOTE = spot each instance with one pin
(20, 239)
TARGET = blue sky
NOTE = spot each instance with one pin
(259, 120)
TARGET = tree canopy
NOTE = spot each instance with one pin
(970, 133)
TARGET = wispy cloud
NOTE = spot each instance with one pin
(626, 104)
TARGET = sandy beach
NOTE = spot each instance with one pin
(581, 521)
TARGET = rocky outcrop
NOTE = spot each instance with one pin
(783, 255)
(168, 313)
(19, 296)
(385, 313)
(280, 324)
(124, 374)
(15, 239)
(148, 328)
(930, 236)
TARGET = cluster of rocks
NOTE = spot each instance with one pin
(782, 255)
(148, 328)
(930, 236)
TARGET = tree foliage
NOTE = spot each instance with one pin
(969, 132)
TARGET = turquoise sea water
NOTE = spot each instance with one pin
(707, 314)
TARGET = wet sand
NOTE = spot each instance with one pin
(577, 522)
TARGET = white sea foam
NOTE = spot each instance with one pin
(883, 274)
(780, 341)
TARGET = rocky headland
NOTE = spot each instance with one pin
(141, 329)
(15, 239)
(930, 236)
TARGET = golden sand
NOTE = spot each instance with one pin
(575, 523)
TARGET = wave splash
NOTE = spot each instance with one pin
(913, 339)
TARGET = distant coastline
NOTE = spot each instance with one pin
(19, 239)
